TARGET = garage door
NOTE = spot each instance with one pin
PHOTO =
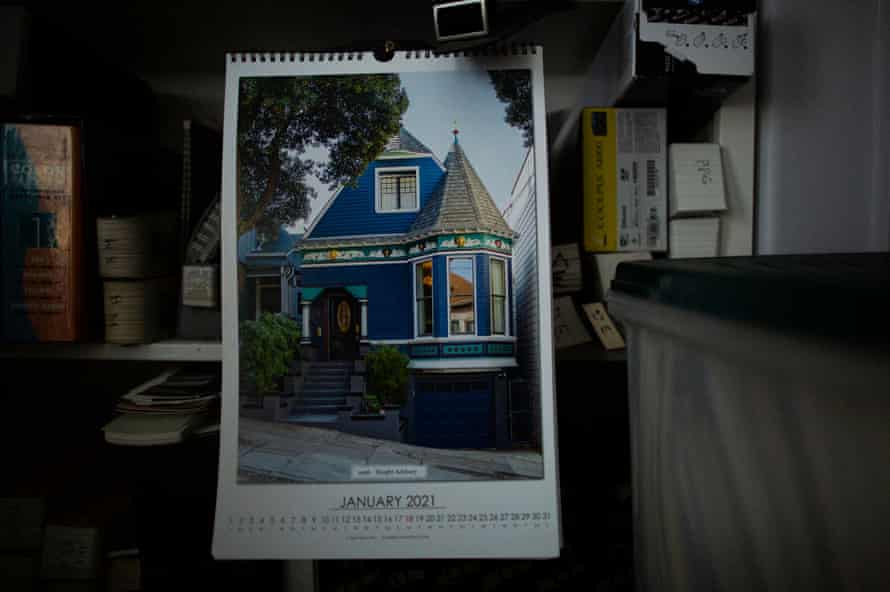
(454, 412)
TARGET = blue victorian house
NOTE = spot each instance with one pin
(271, 273)
(415, 254)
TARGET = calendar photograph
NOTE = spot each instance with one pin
(387, 306)
(381, 273)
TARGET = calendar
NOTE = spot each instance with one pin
(386, 294)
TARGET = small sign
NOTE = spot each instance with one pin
(603, 325)
(388, 472)
(568, 328)
(200, 285)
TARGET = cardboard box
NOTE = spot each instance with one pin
(625, 179)
(662, 53)
(696, 179)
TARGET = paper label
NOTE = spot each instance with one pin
(388, 472)
(603, 326)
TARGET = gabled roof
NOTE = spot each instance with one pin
(460, 203)
(249, 250)
(405, 142)
(400, 145)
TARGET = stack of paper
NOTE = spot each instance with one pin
(694, 237)
(144, 430)
(165, 409)
(696, 179)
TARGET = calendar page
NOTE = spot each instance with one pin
(388, 361)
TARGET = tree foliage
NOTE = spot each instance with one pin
(514, 87)
(352, 117)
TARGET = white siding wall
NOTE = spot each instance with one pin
(521, 216)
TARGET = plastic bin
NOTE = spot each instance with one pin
(760, 421)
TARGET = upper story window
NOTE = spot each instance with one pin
(397, 189)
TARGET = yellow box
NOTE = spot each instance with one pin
(625, 179)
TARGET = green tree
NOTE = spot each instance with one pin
(514, 87)
(280, 118)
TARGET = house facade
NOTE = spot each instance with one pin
(270, 272)
(415, 254)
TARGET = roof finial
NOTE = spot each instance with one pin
(455, 131)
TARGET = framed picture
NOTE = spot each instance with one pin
(388, 364)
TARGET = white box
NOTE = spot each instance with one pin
(696, 179)
(694, 237)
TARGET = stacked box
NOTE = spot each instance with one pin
(625, 179)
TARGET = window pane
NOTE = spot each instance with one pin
(498, 320)
(388, 202)
(462, 297)
(498, 278)
(421, 315)
(498, 297)
(423, 273)
(408, 191)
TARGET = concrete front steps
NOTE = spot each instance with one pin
(325, 385)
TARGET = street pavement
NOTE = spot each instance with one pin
(280, 452)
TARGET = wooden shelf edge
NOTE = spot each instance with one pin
(172, 350)
(589, 352)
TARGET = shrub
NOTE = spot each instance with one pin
(267, 346)
(387, 375)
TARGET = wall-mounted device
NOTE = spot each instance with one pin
(460, 25)
(461, 19)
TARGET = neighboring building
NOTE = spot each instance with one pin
(415, 254)
(271, 274)
(521, 214)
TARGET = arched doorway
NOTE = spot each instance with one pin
(338, 315)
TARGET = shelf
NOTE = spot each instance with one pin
(173, 350)
(589, 352)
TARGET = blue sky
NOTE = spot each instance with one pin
(437, 100)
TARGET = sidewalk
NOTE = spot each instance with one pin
(279, 452)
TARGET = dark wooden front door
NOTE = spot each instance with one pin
(343, 326)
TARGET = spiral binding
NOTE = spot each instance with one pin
(415, 54)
